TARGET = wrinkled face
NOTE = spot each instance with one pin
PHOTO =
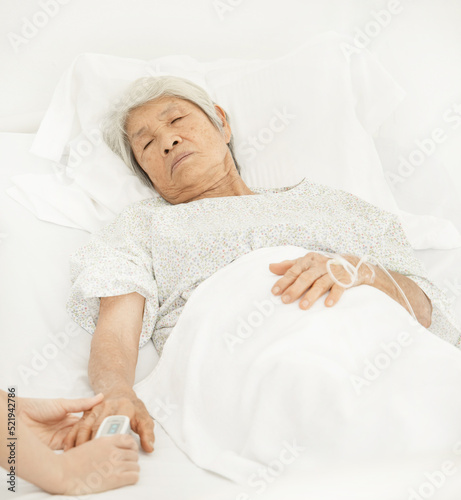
(162, 131)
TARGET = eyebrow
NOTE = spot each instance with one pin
(161, 115)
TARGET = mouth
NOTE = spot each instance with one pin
(179, 160)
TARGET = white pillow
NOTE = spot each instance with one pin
(310, 113)
(314, 83)
(428, 231)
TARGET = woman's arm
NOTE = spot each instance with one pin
(419, 301)
(68, 473)
(114, 347)
(29, 457)
(111, 370)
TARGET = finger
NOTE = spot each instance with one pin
(68, 421)
(319, 287)
(147, 437)
(131, 466)
(302, 283)
(69, 440)
(290, 276)
(126, 442)
(129, 456)
(57, 442)
(81, 404)
(144, 426)
(86, 425)
(83, 435)
(281, 267)
(128, 477)
(335, 294)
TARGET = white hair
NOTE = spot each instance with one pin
(145, 90)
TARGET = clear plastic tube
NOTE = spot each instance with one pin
(353, 273)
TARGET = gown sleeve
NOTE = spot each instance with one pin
(117, 260)
(400, 257)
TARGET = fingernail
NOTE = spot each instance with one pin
(329, 302)
(286, 299)
(276, 290)
(304, 304)
(152, 445)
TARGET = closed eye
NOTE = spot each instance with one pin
(148, 144)
(176, 119)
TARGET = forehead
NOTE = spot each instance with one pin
(156, 110)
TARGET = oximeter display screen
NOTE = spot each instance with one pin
(113, 428)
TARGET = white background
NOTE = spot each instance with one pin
(420, 47)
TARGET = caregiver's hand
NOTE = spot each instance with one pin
(116, 403)
(113, 460)
(308, 277)
(52, 419)
(42, 422)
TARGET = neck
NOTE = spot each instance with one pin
(230, 185)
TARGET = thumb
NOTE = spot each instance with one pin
(81, 404)
(281, 267)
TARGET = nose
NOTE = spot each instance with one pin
(166, 151)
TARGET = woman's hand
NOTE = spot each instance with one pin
(123, 403)
(308, 277)
(51, 419)
(103, 464)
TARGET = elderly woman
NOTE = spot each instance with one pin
(133, 279)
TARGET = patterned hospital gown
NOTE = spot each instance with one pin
(165, 251)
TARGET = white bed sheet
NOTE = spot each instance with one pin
(33, 292)
(253, 380)
(34, 269)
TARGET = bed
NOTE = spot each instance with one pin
(52, 203)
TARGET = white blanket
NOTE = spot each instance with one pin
(250, 388)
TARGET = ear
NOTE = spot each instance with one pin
(226, 127)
